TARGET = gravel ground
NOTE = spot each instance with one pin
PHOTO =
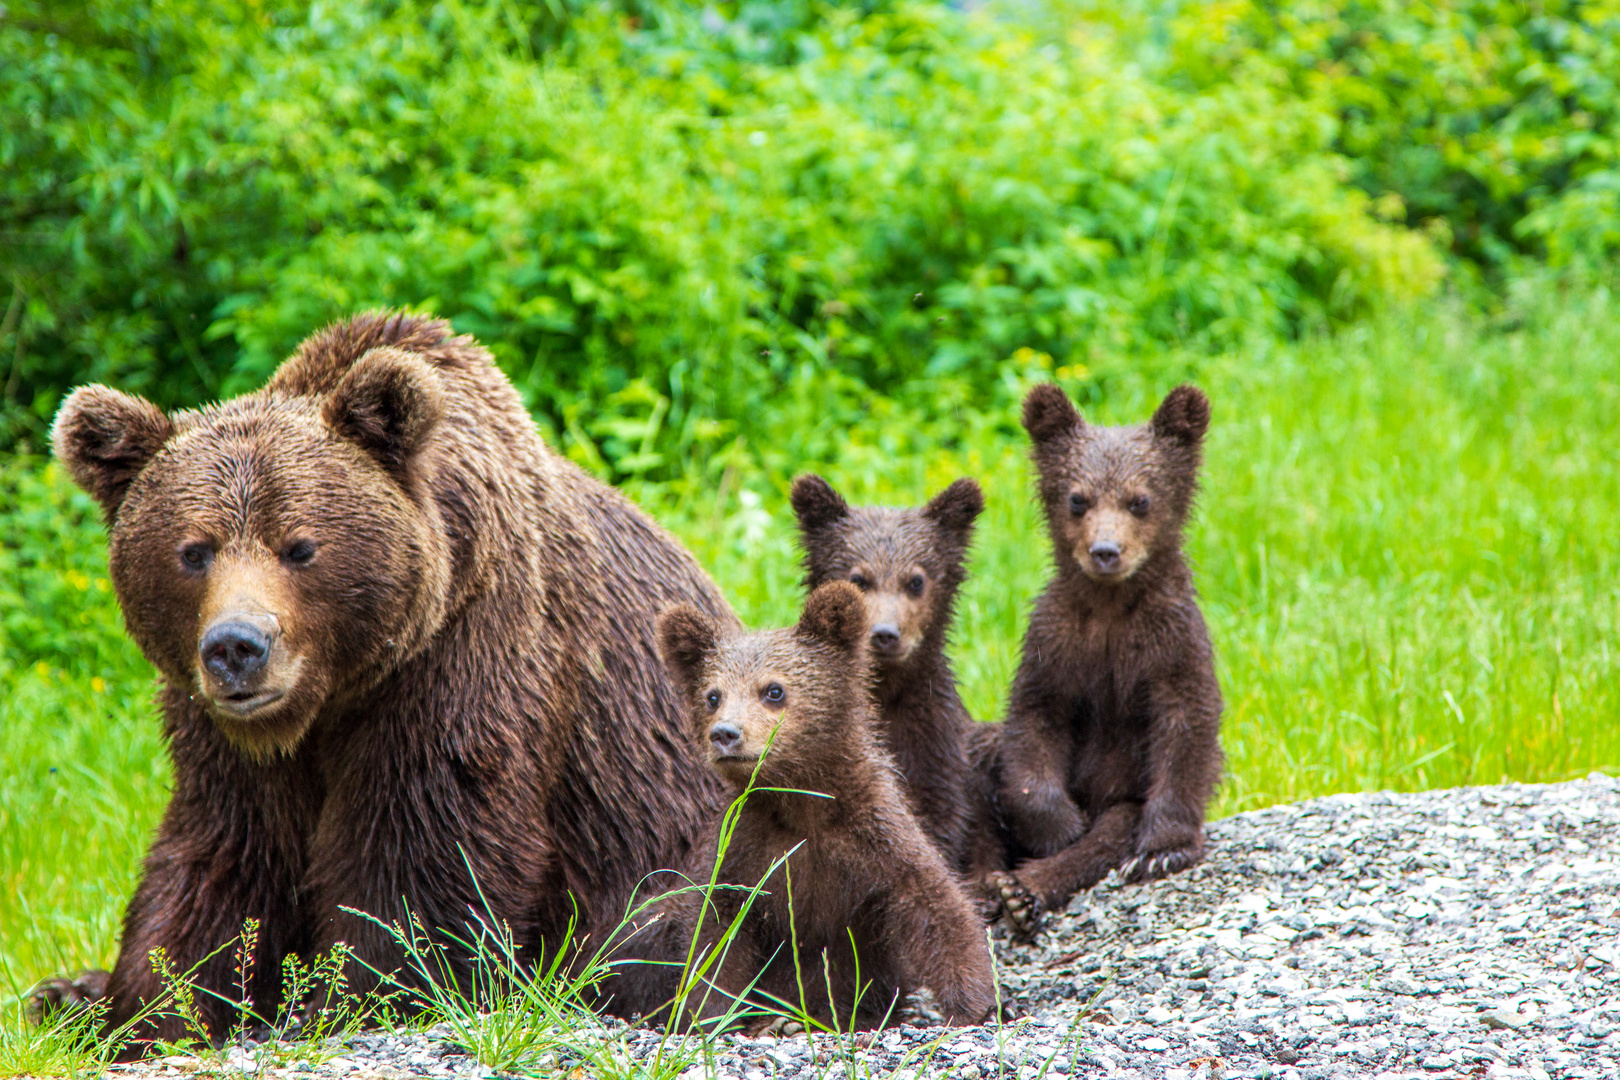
(1462, 933)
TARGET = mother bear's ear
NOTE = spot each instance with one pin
(387, 404)
(105, 438)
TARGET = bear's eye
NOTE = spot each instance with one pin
(775, 694)
(1078, 505)
(1139, 505)
(859, 581)
(713, 698)
(915, 585)
(197, 556)
(299, 552)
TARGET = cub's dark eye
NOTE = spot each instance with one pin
(1078, 505)
(713, 698)
(915, 585)
(300, 552)
(859, 581)
(775, 694)
(1140, 505)
(197, 556)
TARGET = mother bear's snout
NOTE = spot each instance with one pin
(235, 650)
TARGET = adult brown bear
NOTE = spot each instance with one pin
(403, 645)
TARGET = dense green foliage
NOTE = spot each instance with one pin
(1405, 548)
(670, 221)
(1493, 124)
(659, 217)
(684, 209)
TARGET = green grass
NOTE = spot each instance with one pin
(1406, 549)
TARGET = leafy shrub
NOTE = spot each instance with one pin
(57, 610)
(658, 230)
(1497, 122)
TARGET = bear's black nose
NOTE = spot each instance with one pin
(885, 637)
(233, 651)
(1105, 553)
(726, 737)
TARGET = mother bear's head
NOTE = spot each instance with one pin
(280, 553)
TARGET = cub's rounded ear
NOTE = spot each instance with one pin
(834, 615)
(1048, 413)
(957, 506)
(686, 637)
(816, 504)
(105, 438)
(1182, 417)
(387, 404)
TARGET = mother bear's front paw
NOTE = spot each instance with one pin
(52, 995)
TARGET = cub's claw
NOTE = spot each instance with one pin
(780, 1026)
(1158, 864)
(1022, 908)
(52, 995)
(987, 898)
(1011, 1010)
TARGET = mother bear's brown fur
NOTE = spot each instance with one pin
(403, 645)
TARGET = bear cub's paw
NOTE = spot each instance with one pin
(1009, 1011)
(1022, 909)
(779, 1026)
(1165, 844)
(1158, 864)
(50, 996)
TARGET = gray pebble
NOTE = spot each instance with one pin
(1461, 933)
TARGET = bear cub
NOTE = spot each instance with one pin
(908, 565)
(789, 711)
(1110, 752)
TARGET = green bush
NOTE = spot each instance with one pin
(57, 610)
(657, 230)
(1494, 123)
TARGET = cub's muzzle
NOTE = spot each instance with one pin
(886, 638)
(727, 738)
(1105, 556)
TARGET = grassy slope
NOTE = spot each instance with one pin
(1406, 549)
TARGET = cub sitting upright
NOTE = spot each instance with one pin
(1111, 750)
(908, 566)
(791, 709)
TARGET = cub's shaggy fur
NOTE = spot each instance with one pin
(853, 882)
(1111, 750)
(908, 565)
